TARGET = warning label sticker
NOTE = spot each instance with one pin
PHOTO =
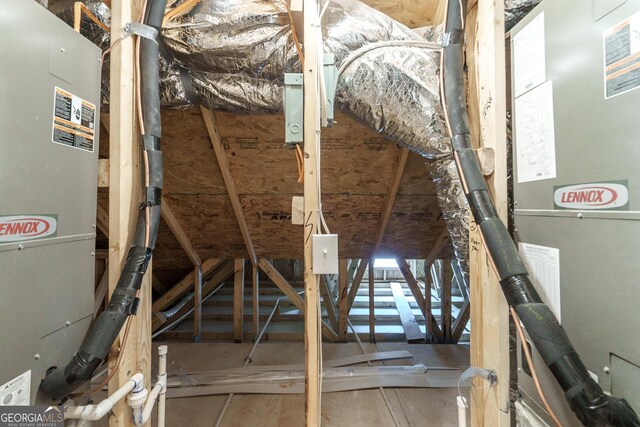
(74, 120)
(622, 57)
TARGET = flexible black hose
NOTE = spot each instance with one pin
(584, 395)
(61, 381)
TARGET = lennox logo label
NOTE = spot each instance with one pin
(592, 196)
(16, 228)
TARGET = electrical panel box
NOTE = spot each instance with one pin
(575, 93)
(49, 123)
(293, 108)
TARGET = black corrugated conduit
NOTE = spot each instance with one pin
(61, 381)
(584, 395)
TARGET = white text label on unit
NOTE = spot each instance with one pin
(16, 392)
(592, 196)
(16, 228)
(543, 265)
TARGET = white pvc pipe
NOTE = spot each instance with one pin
(142, 404)
(96, 412)
(162, 378)
(462, 411)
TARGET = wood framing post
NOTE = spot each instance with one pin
(197, 303)
(255, 281)
(445, 301)
(372, 308)
(125, 175)
(238, 300)
(312, 339)
(343, 292)
(489, 311)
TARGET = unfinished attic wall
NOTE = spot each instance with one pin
(354, 204)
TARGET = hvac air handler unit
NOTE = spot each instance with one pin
(576, 99)
(49, 122)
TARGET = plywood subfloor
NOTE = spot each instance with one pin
(414, 407)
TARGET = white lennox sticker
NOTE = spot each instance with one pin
(592, 196)
(17, 228)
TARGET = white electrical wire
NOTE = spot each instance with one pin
(391, 43)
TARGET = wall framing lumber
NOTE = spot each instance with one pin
(238, 300)
(124, 198)
(489, 311)
(312, 339)
(223, 163)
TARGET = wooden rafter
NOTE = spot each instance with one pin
(390, 199)
(293, 296)
(420, 299)
(384, 220)
(216, 143)
(328, 302)
(221, 274)
(437, 247)
(170, 219)
(461, 322)
(282, 283)
(355, 285)
(208, 266)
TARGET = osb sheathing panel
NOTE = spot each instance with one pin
(357, 170)
(412, 13)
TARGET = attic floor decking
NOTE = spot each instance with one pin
(414, 407)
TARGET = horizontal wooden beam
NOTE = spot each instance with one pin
(185, 284)
(216, 143)
(172, 222)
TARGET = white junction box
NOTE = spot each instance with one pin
(325, 254)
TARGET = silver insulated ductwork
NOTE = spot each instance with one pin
(231, 55)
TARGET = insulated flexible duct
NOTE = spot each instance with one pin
(61, 381)
(584, 395)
